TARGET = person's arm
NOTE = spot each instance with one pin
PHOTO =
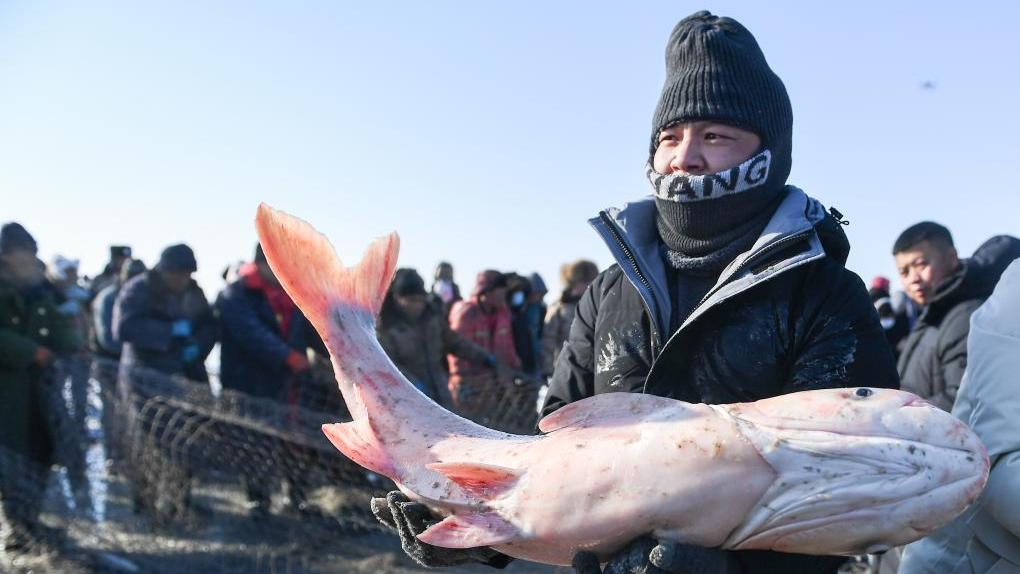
(241, 324)
(207, 330)
(16, 351)
(102, 321)
(574, 371)
(457, 345)
(1002, 492)
(133, 323)
(952, 354)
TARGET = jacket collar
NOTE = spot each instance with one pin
(632, 238)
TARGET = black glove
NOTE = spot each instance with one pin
(646, 556)
(411, 518)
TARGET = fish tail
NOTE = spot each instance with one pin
(308, 268)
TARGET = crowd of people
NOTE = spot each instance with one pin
(455, 350)
(728, 286)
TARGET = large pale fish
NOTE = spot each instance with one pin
(842, 471)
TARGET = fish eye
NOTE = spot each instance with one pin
(864, 392)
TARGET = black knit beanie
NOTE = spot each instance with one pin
(14, 237)
(716, 71)
(178, 258)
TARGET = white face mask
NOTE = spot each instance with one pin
(887, 322)
(444, 288)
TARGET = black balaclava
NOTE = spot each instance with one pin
(716, 71)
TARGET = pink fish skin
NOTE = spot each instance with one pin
(840, 471)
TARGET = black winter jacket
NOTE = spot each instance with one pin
(935, 353)
(143, 316)
(254, 351)
(786, 316)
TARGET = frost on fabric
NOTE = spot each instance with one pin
(618, 348)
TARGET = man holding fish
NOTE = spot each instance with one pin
(729, 285)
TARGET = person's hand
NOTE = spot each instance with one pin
(190, 353)
(409, 519)
(647, 556)
(43, 356)
(297, 362)
(180, 328)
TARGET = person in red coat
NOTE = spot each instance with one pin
(484, 319)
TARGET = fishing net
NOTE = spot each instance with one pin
(154, 473)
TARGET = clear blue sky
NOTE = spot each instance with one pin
(486, 133)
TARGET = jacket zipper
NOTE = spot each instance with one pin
(757, 257)
(641, 277)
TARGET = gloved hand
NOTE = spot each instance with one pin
(411, 518)
(190, 353)
(180, 328)
(646, 556)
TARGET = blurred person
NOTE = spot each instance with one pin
(106, 345)
(415, 335)
(985, 539)
(575, 277)
(263, 346)
(879, 287)
(444, 288)
(165, 324)
(949, 290)
(535, 311)
(62, 274)
(518, 294)
(118, 255)
(484, 320)
(163, 319)
(895, 325)
(32, 333)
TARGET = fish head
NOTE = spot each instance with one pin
(862, 468)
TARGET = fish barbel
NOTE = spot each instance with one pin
(837, 471)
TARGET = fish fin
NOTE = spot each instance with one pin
(308, 268)
(606, 409)
(359, 442)
(485, 481)
(469, 530)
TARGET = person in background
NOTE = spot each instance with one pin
(534, 311)
(163, 319)
(415, 335)
(985, 539)
(518, 293)
(896, 325)
(576, 277)
(444, 288)
(934, 354)
(62, 274)
(118, 255)
(484, 320)
(105, 344)
(32, 333)
(263, 347)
